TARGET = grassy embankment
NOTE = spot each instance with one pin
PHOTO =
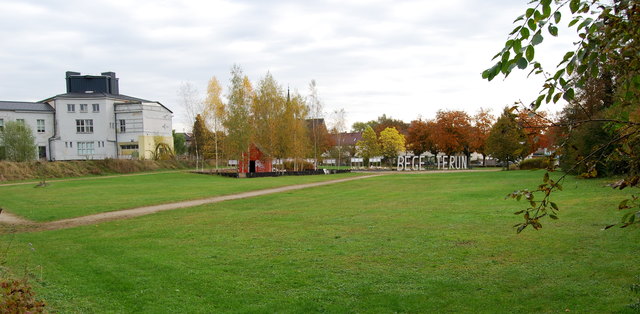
(397, 243)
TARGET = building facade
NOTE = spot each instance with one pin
(92, 120)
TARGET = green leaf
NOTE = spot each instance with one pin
(545, 179)
(537, 38)
(568, 95)
(553, 216)
(519, 18)
(530, 53)
(521, 228)
(574, 21)
(532, 24)
(558, 74)
(557, 97)
(554, 206)
(529, 12)
(522, 63)
(557, 16)
(546, 10)
(517, 46)
(524, 32)
(505, 57)
(553, 30)
(515, 30)
(574, 5)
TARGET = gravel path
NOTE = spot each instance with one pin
(26, 225)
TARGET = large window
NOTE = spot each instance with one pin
(85, 148)
(83, 107)
(71, 108)
(84, 126)
(21, 121)
(123, 126)
(96, 107)
(40, 125)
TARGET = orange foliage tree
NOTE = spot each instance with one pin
(482, 123)
(453, 132)
(420, 135)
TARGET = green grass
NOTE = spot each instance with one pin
(397, 243)
(66, 199)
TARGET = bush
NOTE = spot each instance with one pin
(534, 163)
(10, 171)
(16, 296)
(302, 165)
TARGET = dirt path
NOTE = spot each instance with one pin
(26, 225)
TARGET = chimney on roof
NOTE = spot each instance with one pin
(113, 82)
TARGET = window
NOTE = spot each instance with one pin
(1, 125)
(132, 146)
(85, 148)
(40, 125)
(83, 107)
(96, 107)
(84, 126)
(21, 121)
(42, 152)
(71, 108)
(123, 126)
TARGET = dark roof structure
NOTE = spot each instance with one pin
(344, 139)
(25, 106)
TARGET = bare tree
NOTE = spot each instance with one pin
(316, 113)
(338, 119)
(193, 105)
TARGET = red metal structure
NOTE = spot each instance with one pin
(257, 161)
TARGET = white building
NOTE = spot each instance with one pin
(93, 121)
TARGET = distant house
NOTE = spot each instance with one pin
(92, 120)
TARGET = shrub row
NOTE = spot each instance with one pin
(10, 171)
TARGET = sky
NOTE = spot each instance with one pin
(405, 59)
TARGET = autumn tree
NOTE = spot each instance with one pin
(535, 125)
(369, 146)
(606, 46)
(453, 133)
(482, 123)
(507, 140)
(268, 110)
(318, 129)
(237, 119)
(202, 138)
(384, 122)
(293, 135)
(214, 114)
(392, 143)
(420, 137)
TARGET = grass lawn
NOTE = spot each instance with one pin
(66, 199)
(396, 243)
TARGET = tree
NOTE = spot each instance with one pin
(316, 113)
(391, 144)
(482, 123)
(237, 120)
(420, 137)
(18, 142)
(607, 46)
(189, 100)
(384, 122)
(268, 111)
(179, 143)
(359, 127)
(202, 138)
(369, 146)
(214, 112)
(507, 141)
(339, 126)
(453, 133)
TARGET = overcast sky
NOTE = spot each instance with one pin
(406, 59)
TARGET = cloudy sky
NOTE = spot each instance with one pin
(406, 59)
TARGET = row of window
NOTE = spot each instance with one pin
(39, 124)
(83, 107)
(82, 125)
(88, 148)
